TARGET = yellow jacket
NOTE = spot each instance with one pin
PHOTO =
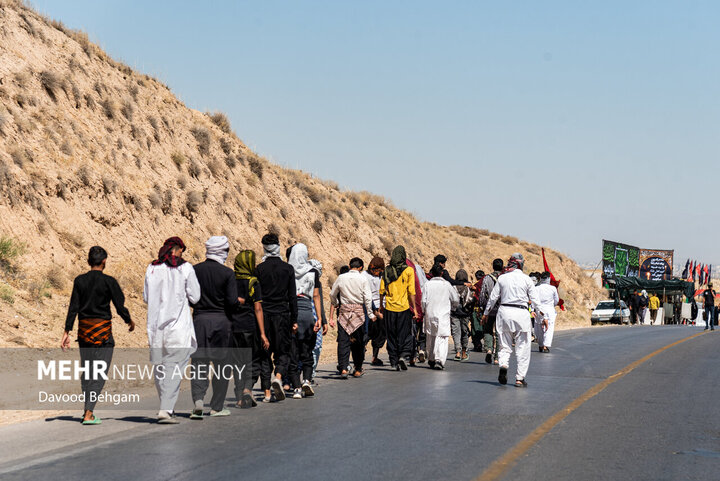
(654, 302)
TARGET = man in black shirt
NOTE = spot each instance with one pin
(709, 304)
(211, 317)
(277, 280)
(90, 303)
(635, 306)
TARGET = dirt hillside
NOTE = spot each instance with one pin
(92, 152)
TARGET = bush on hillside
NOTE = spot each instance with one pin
(193, 201)
(203, 139)
(7, 294)
(51, 82)
(109, 108)
(127, 109)
(178, 159)
(256, 165)
(225, 145)
(56, 277)
(10, 250)
(221, 120)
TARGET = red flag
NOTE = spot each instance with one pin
(553, 282)
(697, 272)
(691, 272)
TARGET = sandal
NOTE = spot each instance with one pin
(90, 422)
(521, 383)
(358, 373)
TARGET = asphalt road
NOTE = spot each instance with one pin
(661, 421)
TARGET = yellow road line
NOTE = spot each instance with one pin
(501, 465)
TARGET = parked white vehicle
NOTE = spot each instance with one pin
(606, 311)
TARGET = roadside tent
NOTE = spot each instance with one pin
(670, 287)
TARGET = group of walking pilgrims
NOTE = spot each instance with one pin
(270, 319)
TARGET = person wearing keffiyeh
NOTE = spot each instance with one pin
(170, 286)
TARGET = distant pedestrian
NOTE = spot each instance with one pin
(90, 300)
(654, 305)
(397, 290)
(439, 299)
(351, 292)
(170, 287)
(376, 329)
(476, 328)
(709, 305)
(488, 320)
(460, 317)
(644, 302)
(548, 298)
(634, 305)
(441, 259)
(514, 291)
(418, 334)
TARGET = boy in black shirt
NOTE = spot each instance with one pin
(277, 279)
(90, 303)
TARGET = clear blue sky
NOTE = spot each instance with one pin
(561, 123)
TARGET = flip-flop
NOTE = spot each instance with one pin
(358, 373)
(90, 422)
(521, 383)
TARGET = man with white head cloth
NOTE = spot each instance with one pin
(307, 289)
(515, 292)
(213, 327)
(280, 308)
(548, 298)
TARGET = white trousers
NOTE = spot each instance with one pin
(437, 348)
(513, 325)
(545, 338)
(168, 385)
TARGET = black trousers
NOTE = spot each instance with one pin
(278, 329)
(200, 383)
(91, 388)
(301, 352)
(350, 344)
(246, 353)
(213, 334)
(399, 335)
(378, 335)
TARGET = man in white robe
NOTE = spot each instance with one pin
(439, 298)
(515, 292)
(548, 298)
(170, 286)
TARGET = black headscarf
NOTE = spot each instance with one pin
(396, 267)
